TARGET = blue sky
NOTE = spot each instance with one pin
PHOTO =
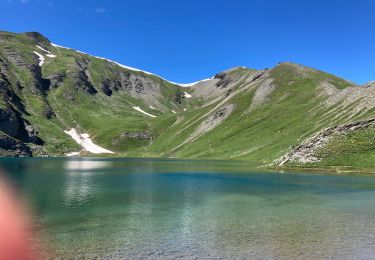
(188, 40)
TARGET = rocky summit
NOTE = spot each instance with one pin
(57, 101)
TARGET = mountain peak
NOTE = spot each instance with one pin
(38, 37)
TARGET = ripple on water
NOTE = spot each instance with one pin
(146, 209)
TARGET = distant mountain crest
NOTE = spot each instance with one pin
(56, 101)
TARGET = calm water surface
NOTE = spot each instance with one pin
(161, 209)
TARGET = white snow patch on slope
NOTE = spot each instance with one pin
(140, 110)
(49, 54)
(43, 49)
(41, 58)
(151, 107)
(174, 112)
(187, 95)
(185, 85)
(85, 142)
(59, 46)
(191, 84)
(72, 154)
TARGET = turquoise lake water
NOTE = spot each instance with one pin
(164, 209)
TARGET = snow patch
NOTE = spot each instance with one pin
(41, 58)
(49, 54)
(186, 85)
(187, 95)
(43, 49)
(151, 107)
(174, 112)
(59, 46)
(140, 110)
(72, 154)
(85, 142)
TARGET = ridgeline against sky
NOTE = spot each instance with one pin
(185, 41)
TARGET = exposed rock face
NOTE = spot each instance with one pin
(141, 87)
(140, 135)
(11, 124)
(33, 135)
(13, 148)
(369, 84)
(15, 57)
(179, 96)
(81, 78)
(213, 120)
(48, 112)
(224, 80)
(41, 83)
(14, 125)
(106, 87)
(38, 38)
(263, 92)
(56, 80)
(8, 96)
(83, 83)
(306, 151)
(224, 84)
(362, 96)
(37, 85)
(136, 85)
(328, 89)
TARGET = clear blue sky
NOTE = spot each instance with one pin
(188, 40)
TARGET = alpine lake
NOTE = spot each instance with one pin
(96, 208)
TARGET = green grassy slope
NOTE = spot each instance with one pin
(293, 111)
(241, 114)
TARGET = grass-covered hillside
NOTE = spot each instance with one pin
(279, 116)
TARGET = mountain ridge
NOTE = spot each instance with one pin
(48, 91)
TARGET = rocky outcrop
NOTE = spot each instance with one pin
(263, 93)
(14, 125)
(82, 83)
(56, 80)
(213, 120)
(38, 39)
(40, 83)
(8, 96)
(37, 84)
(306, 151)
(179, 96)
(15, 56)
(139, 135)
(48, 112)
(81, 78)
(369, 84)
(11, 123)
(13, 148)
(32, 135)
(136, 85)
(224, 80)
(107, 86)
